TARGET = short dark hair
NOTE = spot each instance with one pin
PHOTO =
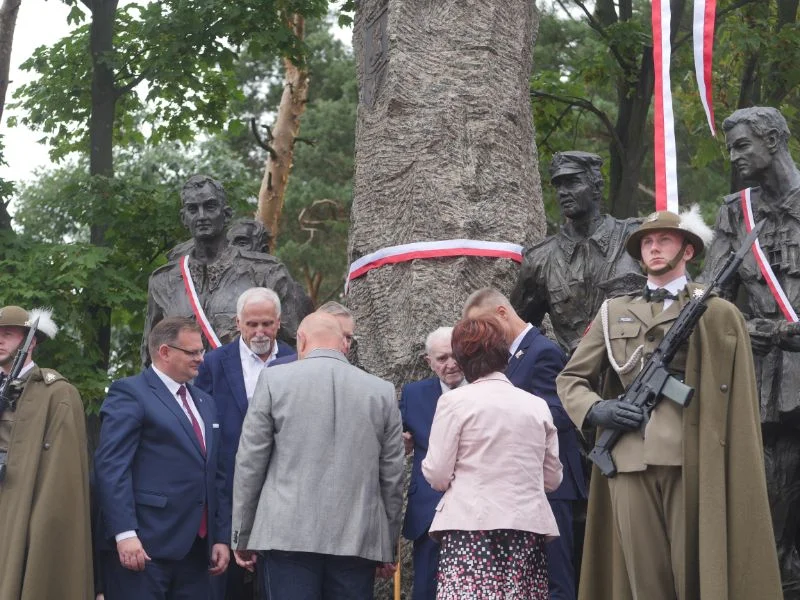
(761, 120)
(167, 331)
(479, 347)
(196, 182)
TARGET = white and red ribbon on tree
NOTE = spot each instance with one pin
(197, 307)
(703, 42)
(666, 163)
(763, 264)
(440, 249)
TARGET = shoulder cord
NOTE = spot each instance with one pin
(637, 354)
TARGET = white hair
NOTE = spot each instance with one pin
(46, 324)
(257, 294)
(443, 334)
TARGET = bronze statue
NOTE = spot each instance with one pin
(246, 233)
(569, 274)
(757, 139)
(219, 270)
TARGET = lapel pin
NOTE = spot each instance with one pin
(519, 354)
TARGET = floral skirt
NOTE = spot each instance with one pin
(501, 564)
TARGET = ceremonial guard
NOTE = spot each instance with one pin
(686, 515)
(46, 550)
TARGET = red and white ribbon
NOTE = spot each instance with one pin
(440, 249)
(197, 308)
(665, 153)
(703, 42)
(763, 263)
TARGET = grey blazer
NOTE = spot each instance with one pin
(320, 462)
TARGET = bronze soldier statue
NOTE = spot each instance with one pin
(569, 274)
(757, 139)
(219, 271)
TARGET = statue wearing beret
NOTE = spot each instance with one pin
(568, 275)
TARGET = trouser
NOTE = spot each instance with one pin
(560, 567)
(426, 565)
(649, 520)
(311, 576)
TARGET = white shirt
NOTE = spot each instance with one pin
(252, 365)
(673, 287)
(446, 388)
(173, 387)
(518, 340)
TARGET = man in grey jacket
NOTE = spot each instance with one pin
(318, 484)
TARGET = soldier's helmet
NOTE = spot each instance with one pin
(16, 316)
(688, 223)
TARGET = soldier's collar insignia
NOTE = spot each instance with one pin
(626, 319)
(697, 293)
(49, 378)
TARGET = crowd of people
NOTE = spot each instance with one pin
(260, 470)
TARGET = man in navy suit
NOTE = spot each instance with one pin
(229, 374)
(157, 474)
(534, 363)
(417, 407)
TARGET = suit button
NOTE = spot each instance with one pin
(651, 337)
(723, 388)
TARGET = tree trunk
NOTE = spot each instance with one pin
(101, 143)
(8, 22)
(284, 132)
(444, 150)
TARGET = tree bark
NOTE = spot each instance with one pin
(444, 150)
(8, 22)
(284, 133)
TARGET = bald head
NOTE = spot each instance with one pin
(319, 330)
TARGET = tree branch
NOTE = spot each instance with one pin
(719, 16)
(261, 142)
(587, 105)
(598, 27)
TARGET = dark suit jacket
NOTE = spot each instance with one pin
(150, 471)
(534, 368)
(221, 376)
(417, 407)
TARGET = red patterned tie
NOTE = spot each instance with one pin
(203, 530)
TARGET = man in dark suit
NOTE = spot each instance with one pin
(417, 407)
(534, 363)
(158, 480)
(229, 374)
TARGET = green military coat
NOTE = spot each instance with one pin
(730, 544)
(45, 539)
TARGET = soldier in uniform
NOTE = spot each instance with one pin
(569, 274)
(757, 139)
(687, 516)
(46, 549)
(220, 271)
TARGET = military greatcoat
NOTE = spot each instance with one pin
(730, 552)
(45, 539)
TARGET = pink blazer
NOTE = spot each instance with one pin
(493, 451)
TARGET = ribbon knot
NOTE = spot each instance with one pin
(658, 295)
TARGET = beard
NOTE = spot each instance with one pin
(261, 345)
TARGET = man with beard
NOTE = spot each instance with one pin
(229, 374)
(46, 549)
(757, 139)
(206, 282)
(569, 274)
(417, 407)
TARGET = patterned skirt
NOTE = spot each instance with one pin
(501, 564)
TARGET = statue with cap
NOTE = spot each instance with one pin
(44, 495)
(670, 524)
(570, 273)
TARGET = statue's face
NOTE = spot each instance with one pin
(749, 153)
(576, 195)
(204, 213)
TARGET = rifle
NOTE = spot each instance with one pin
(654, 382)
(6, 402)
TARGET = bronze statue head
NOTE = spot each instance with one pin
(579, 182)
(753, 136)
(204, 207)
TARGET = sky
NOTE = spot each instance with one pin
(40, 22)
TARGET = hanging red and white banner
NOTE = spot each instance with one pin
(763, 264)
(703, 42)
(440, 249)
(197, 308)
(664, 144)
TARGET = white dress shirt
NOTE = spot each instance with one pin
(252, 365)
(518, 340)
(446, 388)
(673, 287)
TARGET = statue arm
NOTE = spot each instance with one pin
(154, 315)
(529, 296)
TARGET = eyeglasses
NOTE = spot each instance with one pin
(192, 353)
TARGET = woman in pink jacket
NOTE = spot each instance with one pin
(493, 451)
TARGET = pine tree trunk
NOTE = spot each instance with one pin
(284, 133)
(444, 150)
